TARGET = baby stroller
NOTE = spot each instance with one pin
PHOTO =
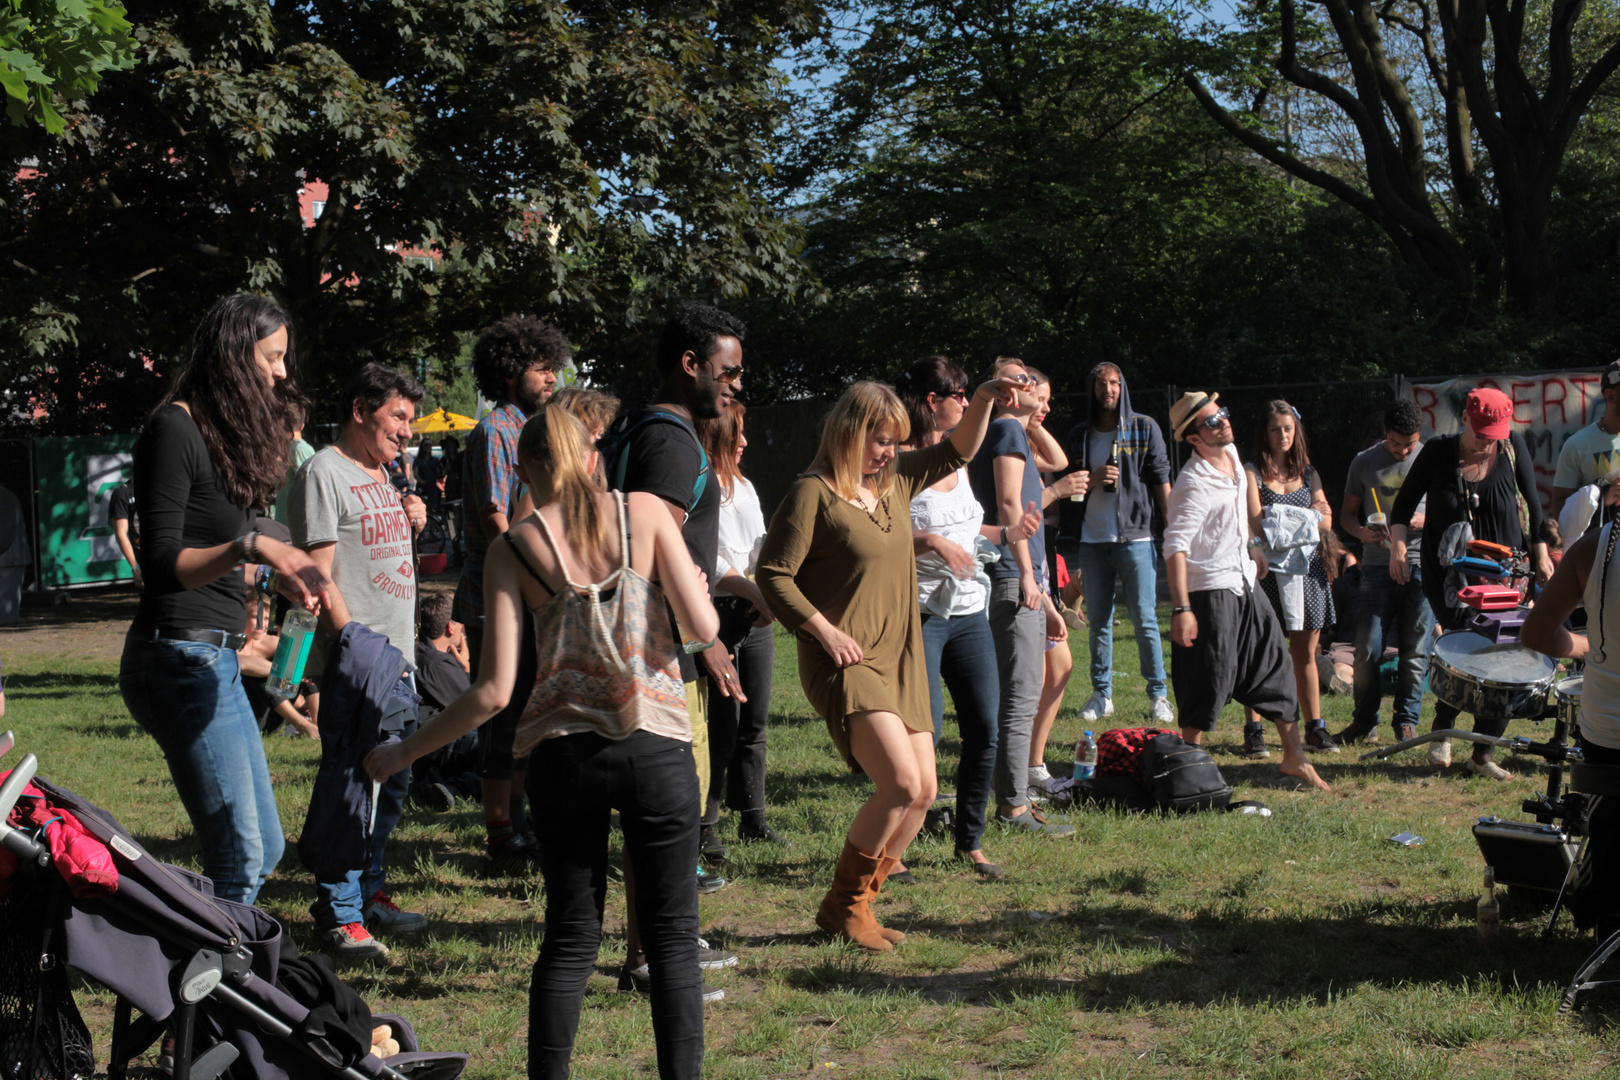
(77, 889)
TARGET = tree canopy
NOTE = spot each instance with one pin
(586, 161)
(58, 50)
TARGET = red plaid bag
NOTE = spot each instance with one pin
(1120, 750)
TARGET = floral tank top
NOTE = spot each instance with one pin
(607, 657)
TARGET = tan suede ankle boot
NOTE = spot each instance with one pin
(844, 912)
(886, 865)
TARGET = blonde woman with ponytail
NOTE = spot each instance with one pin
(607, 724)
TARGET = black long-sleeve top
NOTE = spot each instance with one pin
(184, 505)
(1434, 474)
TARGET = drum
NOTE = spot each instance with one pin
(1474, 674)
(1569, 702)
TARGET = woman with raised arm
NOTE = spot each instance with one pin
(607, 724)
(946, 521)
(838, 569)
(210, 458)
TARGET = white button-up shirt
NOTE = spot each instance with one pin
(1209, 523)
(742, 531)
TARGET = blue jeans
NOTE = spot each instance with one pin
(1380, 604)
(188, 696)
(1131, 562)
(961, 649)
(338, 903)
(575, 782)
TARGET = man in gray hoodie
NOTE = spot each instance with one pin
(1123, 451)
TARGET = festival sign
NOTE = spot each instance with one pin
(1548, 407)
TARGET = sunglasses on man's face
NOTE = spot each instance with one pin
(732, 373)
(1215, 420)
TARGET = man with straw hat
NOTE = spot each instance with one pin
(1226, 643)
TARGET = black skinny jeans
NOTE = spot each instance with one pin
(737, 731)
(574, 782)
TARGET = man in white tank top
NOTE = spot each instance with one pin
(1588, 573)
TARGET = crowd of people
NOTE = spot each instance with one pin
(611, 641)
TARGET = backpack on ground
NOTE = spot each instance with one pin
(1182, 777)
(1153, 769)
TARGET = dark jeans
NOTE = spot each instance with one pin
(1379, 604)
(343, 901)
(961, 651)
(575, 782)
(737, 731)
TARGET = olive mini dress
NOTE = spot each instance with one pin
(858, 569)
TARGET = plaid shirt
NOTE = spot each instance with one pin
(1120, 750)
(489, 482)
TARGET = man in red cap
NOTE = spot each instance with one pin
(1480, 478)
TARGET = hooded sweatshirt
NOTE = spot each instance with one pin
(1143, 465)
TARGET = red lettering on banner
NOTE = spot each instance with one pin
(1513, 395)
(1547, 400)
(1424, 398)
(1581, 383)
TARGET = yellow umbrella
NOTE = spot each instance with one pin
(441, 420)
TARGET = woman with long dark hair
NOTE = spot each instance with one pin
(607, 724)
(946, 521)
(209, 459)
(838, 568)
(1282, 475)
(737, 730)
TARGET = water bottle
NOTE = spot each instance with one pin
(292, 653)
(1085, 757)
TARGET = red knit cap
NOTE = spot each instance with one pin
(1489, 412)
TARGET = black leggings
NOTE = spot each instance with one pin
(737, 730)
(575, 782)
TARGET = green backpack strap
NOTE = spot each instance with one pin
(621, 453)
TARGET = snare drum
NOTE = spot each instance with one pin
(1474, 674)
(1569, 702)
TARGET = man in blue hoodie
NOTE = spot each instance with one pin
(1123, 451)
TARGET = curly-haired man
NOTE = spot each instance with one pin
(515, 364)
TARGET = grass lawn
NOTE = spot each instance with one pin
(1305, 944)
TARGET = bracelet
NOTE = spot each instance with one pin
(1181, 609)
(1004, 536)
(1255, 541)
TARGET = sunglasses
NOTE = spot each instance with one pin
(1221, 416)
(730, 374)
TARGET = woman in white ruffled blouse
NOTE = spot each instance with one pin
(737, 731)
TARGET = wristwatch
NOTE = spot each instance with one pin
(1181, 609)
(1256, 541)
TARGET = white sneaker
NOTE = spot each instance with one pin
(1039, 784)
(1161, 712)
(1097, 708)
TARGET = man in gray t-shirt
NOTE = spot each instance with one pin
(353, 522)
(1376, 477)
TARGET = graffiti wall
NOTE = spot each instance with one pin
(1548, 407)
